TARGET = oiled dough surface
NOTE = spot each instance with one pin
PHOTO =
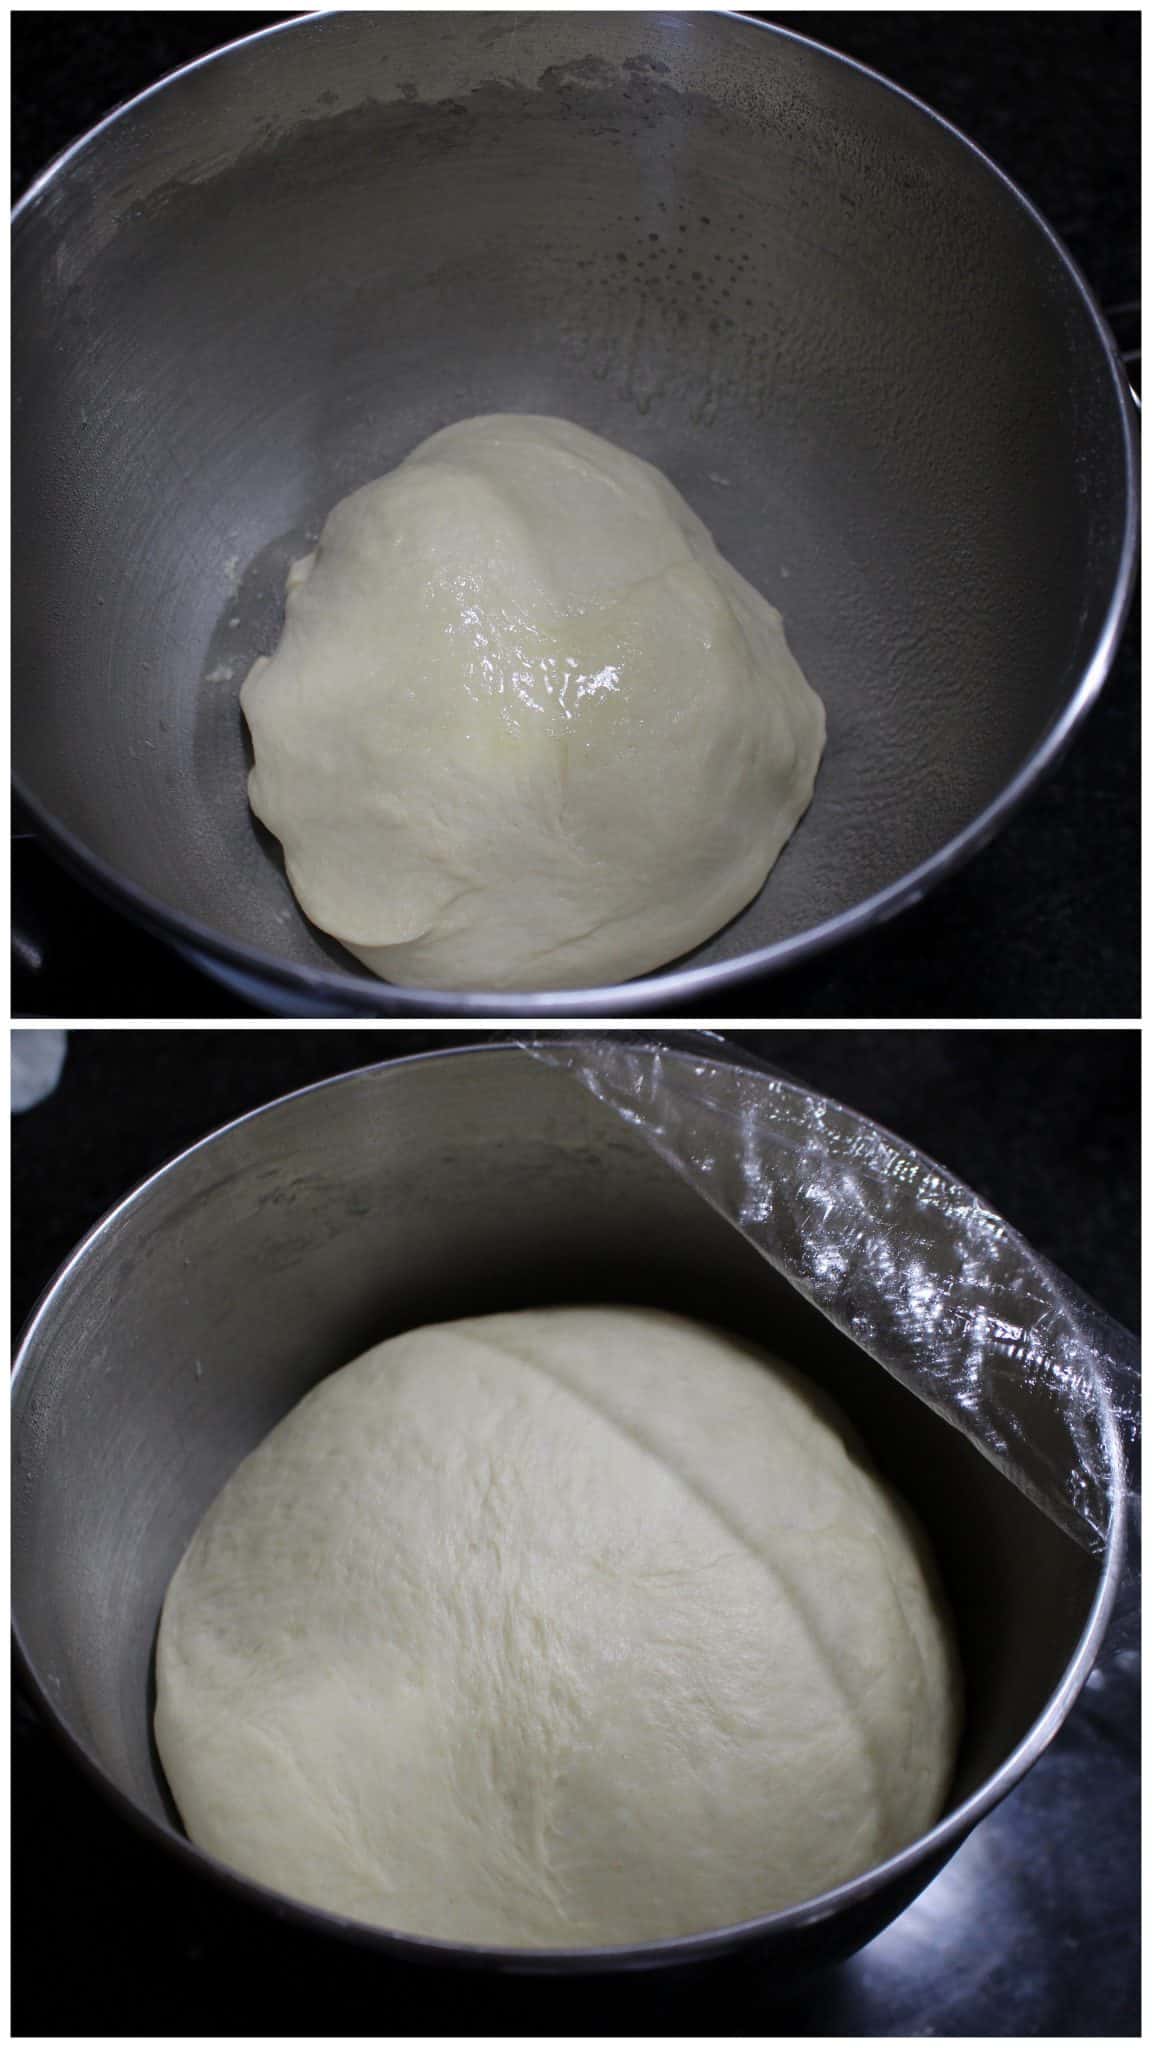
(564, 1627)
(525, 728)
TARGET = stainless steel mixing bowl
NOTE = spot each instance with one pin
(857, 350)
(204, 1306)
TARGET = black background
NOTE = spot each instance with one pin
(1032, 1930)
(1042, 923)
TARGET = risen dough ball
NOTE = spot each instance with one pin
(525, 728)
(578, 1626)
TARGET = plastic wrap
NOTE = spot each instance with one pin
(926, 1278)
(37, 1064)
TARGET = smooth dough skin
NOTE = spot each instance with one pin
(525, 728)
(572, 1627)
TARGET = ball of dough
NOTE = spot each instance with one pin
(575, 1626)
(525, 728)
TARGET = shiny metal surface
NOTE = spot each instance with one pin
(204, 1306)
(849, 341)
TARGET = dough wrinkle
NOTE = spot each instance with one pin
(772, 1568)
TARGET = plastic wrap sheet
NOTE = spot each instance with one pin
(927, 1279)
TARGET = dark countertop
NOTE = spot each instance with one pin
(1031, 1930)
(1044, 922)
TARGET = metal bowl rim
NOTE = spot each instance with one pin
(660, 989)
(942, 1839)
